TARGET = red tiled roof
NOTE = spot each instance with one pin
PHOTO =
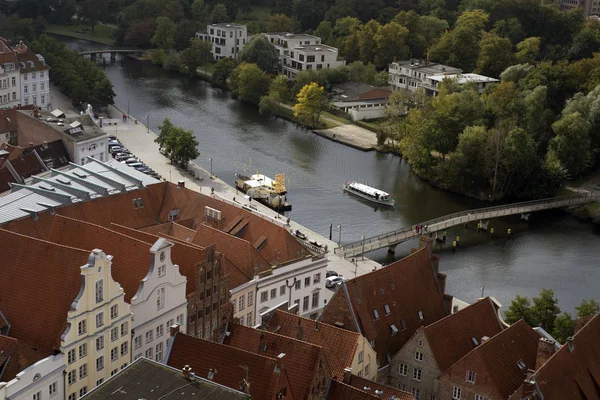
(342, 391)
(8, 120)
(573, 372)
(229, 364)
(38, 317)
(388, 391)
(406, 286)
(15, 357)
(339, 344)
(27, 165)
(173, 229)
(497, 360)
(24, 55)
(451, 337)
(6, 178)
(302, 360)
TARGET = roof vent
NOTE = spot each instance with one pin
(63, 181)
(379, 392)
(367, 388)
(79, 174)
(484, 339)
(186, 370)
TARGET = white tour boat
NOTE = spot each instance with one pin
(369, 193)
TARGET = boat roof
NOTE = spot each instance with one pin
(265, 179)
(368, 189)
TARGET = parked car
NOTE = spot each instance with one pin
(131, 161)
(51, 119)
(334, 281)
(112, 138)
(124, 154)
(116, 149)
(136, 164)
(331, 273)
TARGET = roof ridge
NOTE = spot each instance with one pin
(178, 241)
(236, 267)
(246, 242)
(281, 336)
(45, 241)
(433, 325)
(182, 242)
(102, 227)
(411, 255)
(355, 388)
(320, 323)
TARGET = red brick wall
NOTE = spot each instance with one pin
(457, 376)
(338, 310)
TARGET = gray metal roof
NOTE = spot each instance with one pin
(62, 187)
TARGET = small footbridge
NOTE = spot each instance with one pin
(112, 51)
(391, 239)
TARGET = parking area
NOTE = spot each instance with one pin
(122, 154)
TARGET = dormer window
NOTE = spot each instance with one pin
(162, 270)
(421, 315)
(475, 341)
(471, 376)
(386, 309)
(394, 329)
(521, 365)
(375, 313)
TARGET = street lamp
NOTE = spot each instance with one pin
(211, 174)
(363, 247)
(147, 123)
(287, 283)
(340, 240)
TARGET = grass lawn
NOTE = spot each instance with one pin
(102, 33)
(341, 120)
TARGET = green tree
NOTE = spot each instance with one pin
(520, 308)
(528, 50)
(164, 132)
(588, 307)
(278, 92)
(324, 31)
(102, 93)
(367, 42)
(280, 23)
(140, 33)
(571, 145)
(249, 83)
(92, 12)
(185, 31)
(195, 55)
(200, 12)
(219, 14)
(391, 42)
(158, 56)
(261, 52)
(181, 146)
(544, 309)
(310, 104)
(432, 28)
(564, 327)
(495, 55)
(165, 33)
(223, 70)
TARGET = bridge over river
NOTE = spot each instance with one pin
(391, 239)
(113, 51)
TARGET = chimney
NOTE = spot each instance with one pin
(347, 375)
(181, 184)
(544, 351)
(316, 324)
(435, 261)
(173, 329)
(379, 393)
(442, 281)
(186, 371)
(571, 344)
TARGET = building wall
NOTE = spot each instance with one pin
(159, 303)
(227, 41)
(99, 294)
(365, 364)
(310, 284)
(10, 86)
(295, 60)
(44, 378)
(430, 372)
(366, 112)
(96, 148)
(243, 299)
(338, 311)
(35, 88)
(457, 376)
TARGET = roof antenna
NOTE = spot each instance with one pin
(482, 289)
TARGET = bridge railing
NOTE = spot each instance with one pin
(476, 214)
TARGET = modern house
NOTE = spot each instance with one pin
(431, 84)
(300, 52)
(361, 100)
(228, 39)
(412, 74)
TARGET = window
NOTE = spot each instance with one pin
(242, 301)
(14, 81)
(82, 391)
(37, 396)
(301, 57)
(316, 278)
(315, 299)
(99, 319)
(307, 281)
(417, 374)
(180, 318)
(386, 308)
(83, 351)
(114, 311)
(249, 319)
(82, 327)
(52, 389)
(159, 352)
(162, 270)
(71, 356)
(360, 357)
(375, 313)
(471, 376)
(41, 74)
(125, 348)
(72, 377)
(416, 392)
(160, 298)
(264, 296)
(33, 75)
(418, 356)
(403, 369)
(456, 393)
(282, 290)
(420, 343)
(99, 343)
(114, 334)
(99, 381)
(114, 354)
(124, 329)
(42, 86)
(305, 303)
(99, 291)
(72, 396)
(137, 342)
(149, 336)
(250, 299)
(34, 87)
(394, 329)
(273, 293)
(367, 370)
(114, 372)
(298, 285)
(14, 97)
(479, 397)
(160, 330)
(24, 77)
(100, 363)
(149, 352)
(310, 58)
(82, 371)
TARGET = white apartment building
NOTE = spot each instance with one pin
(412, 74)
(35, 77)
(299, 52)
(96, 343)
(42, 380)
(228, 39)
(431, 84)
(10, 78)
(243, 300)
(159, 303)
(299, 282)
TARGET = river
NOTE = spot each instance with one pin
(551, 250)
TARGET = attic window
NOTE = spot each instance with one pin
(135, 204)
(140, 202)
(394, 329)
(376, 313)
(421, 315)
(521, 365)
(387, 309)
(475, 341)
(403, 324)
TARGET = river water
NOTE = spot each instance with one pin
(551, 250)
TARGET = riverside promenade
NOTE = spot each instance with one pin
(140, 141)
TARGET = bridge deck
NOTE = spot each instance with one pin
(463, 217)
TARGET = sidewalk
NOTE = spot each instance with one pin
(140, 141)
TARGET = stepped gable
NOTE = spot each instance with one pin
(304, 362)
(408, 287)
(339, 344)
(451, 337)
(38, 318)
(15, 356)
(230, 365)
(573, 372)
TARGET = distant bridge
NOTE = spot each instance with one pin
(112, 51)
(391, 239)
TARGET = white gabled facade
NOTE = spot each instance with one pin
(243, 299)
(159, 303)
(96, 343)
(228, 39)
(42, 380)
(299, 282)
